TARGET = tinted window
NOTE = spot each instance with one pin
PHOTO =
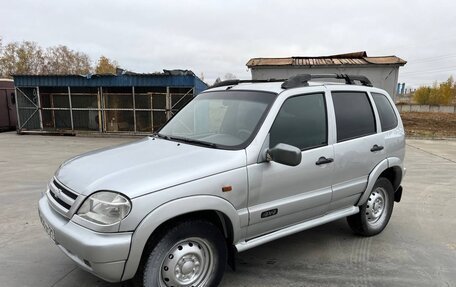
(354, 115)
(387, 115)
(301, 122)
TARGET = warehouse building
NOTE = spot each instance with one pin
(382, 71)
(126, 103)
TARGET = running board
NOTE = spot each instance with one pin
(245, 245)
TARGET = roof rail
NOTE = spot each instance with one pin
(300, 80)
(237, 81)
(303, 80)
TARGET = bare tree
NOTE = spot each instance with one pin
(61, 60)
(29, 58)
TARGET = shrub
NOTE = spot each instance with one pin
(439, 94)
(421, 95)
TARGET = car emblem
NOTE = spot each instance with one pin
(57, 193)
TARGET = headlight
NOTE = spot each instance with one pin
(105, 207)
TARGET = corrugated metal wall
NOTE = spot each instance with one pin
(52, 104)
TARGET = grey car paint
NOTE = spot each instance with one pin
(165, 179)
(145, 166)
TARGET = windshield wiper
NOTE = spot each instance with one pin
(186, 140)
(193, 141)
(161, 136)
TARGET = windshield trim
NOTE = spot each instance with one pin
(221, 146)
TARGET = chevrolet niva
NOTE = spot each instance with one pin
(242, 164)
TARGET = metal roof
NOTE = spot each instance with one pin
(355, 58)
(169, 78)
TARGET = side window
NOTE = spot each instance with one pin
(301, 122)
(387, 115)
(354, 115)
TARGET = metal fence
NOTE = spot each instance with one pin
(130, 110)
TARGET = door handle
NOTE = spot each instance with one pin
(376, 148)
(324, 160)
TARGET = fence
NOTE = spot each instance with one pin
(137, 110)
(425, 108)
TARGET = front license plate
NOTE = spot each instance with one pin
(49, 230)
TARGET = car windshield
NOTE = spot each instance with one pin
(225, 119)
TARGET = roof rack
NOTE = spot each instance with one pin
(237, 81)
(303, 80)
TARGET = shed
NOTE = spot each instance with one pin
(7, 105)
(125, 103)
(382, 71)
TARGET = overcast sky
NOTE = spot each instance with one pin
(218, 37)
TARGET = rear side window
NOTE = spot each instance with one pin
(354, 115)
(387, 115)
(301, 122)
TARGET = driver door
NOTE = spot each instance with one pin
(281, 195)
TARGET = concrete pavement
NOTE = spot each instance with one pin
(418, 248)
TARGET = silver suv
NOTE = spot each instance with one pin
(242, 164)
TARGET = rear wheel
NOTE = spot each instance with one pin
(192, 253)
(375, 213)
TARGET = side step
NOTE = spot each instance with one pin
(245, 245)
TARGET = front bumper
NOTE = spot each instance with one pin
(103, 254)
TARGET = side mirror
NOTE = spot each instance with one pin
(284, 154)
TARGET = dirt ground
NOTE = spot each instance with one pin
(432, 125)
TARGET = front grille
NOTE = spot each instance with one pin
(61, 202)
(64, 198)
(65, 190)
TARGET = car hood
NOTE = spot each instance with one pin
(145, 166)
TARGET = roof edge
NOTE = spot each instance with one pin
(334, 60)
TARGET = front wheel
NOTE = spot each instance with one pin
(375, 213)
(192, 253)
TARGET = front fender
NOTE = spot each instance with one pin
(171, 210)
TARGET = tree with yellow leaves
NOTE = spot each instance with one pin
(439, 94)
(106, 66)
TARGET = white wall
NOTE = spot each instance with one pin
(383, 77)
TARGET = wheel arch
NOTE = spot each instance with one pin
(214, 209)
(389, 168)
(394, 175)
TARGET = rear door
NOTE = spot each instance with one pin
(359, 146)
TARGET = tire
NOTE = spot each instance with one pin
(191, 253)
(376, 212)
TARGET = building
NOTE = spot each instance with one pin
(7, 105)
(126, 103)
(382, 71)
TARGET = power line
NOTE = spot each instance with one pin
(433, 61)
(446, 69)
(420, 60)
